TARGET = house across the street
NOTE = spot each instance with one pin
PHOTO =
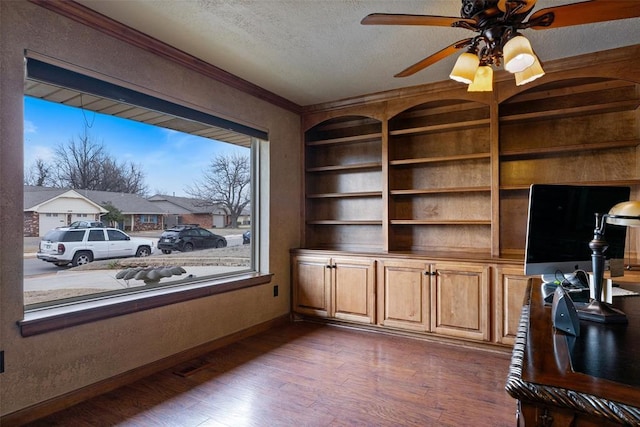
(185, 210)
(46, 208)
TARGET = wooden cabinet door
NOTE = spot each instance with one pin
(403, 294)
(510, 287)
(311, 285)
(460, 300)
(353, 289)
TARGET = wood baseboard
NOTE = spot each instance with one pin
(67, 400)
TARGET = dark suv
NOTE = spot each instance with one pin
(187, 238)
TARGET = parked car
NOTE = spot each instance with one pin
(85, 224)
(78, 246)
(186, 238)
(246, 237)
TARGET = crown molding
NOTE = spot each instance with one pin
(559, 67)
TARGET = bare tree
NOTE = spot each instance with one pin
(121, 177)
(39, 174)
(78, 164)
(84, 164)
(225, 182)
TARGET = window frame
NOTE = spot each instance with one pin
(103, 306)
(149, 219)
(39, 321)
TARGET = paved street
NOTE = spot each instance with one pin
(33, 267)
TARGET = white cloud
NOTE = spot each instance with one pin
(37, 152)
(30, 127)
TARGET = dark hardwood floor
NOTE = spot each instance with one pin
(308, 374)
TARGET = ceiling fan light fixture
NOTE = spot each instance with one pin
(518, 55)
(483, 80)
(530, 74)
(464, 70)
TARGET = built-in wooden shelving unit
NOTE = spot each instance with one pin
(433, 187)
(450, 171)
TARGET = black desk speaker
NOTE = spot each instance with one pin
(563, 313)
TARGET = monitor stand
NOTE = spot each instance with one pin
(601, 312)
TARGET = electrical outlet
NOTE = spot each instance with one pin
(275, 290)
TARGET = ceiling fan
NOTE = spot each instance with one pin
(498, 24)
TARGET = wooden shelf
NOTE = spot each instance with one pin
(415, 191)
(424, 160)
(440, 222)
(344, 195)
(344, 222)
(344, 168)
(346, 139)
(543, 151)
(441, 127)
(607, 107)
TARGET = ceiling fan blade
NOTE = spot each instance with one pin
(449, 50)
(586, 12)
(528, 5)
(401, 19)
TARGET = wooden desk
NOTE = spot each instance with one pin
(544, 376)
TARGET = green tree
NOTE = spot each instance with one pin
(113, 216)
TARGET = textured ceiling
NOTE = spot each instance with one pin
(314, 51)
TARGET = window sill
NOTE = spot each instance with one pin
(40, 321)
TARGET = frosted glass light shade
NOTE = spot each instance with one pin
(625, 213)
(465, 68)
(518, 55)
(483, 80)
(530, 74)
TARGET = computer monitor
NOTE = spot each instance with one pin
(561, 222)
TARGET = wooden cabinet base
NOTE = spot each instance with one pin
(446, 297)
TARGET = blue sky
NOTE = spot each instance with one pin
(170, 160)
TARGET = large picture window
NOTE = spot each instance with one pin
(126, 193)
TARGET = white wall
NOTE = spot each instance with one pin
(70, 205)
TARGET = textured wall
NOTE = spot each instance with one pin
(45, 366)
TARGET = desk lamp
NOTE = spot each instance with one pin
(625, 214)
